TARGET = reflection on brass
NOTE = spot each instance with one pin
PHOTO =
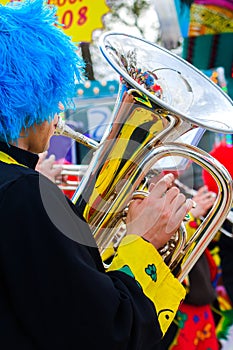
(141, 133)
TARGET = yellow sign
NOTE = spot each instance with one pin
(79, 17)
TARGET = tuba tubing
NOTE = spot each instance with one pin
(186, 257)
(188, 252)
(146, 127)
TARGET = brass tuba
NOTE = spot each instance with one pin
(162, 101)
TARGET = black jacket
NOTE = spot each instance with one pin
(54, 292)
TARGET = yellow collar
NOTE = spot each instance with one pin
(7, 159)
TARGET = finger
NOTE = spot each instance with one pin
(135, 202)
(162, 186)
(178, 201)
(203, 189)
(206, 200)
(209, 199)
(172, 193)
(207, 205)
(56, 171)
(209, 195)
(42, 156)
(52, 158)
(48, 163)
(151, 186)
(178, 216)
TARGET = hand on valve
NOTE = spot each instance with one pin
(158, 216)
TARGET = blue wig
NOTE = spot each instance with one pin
(39, 67)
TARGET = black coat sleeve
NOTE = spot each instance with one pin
(55, 292)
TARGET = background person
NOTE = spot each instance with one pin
(223, 152)
(194, 326)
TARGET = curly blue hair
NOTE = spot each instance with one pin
(39, 66)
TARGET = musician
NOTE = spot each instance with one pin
(223, 152)
(54, 290)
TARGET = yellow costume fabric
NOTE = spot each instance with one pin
(7, 159)
(209, 19)
(141, 260)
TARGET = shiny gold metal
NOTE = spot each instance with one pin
(147, 126)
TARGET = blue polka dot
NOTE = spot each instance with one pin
(196, 318)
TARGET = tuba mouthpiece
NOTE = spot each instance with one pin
(63, 129)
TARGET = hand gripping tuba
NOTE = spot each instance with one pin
(161, 99)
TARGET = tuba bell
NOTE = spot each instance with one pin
(163, 104)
